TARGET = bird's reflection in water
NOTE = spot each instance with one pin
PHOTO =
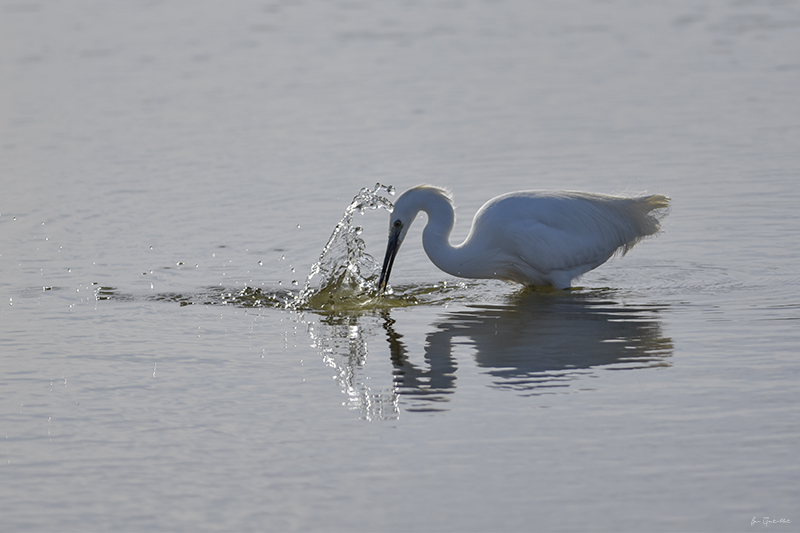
(535, 343)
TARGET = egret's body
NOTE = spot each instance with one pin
(529, 237)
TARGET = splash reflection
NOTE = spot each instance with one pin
(342, 342)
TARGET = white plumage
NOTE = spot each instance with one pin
(529, 237)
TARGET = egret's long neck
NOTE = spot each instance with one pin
(436, 235)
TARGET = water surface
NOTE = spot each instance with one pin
(170, 173)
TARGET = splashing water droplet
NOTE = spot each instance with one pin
(345, 271)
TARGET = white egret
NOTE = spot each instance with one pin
(529, 237)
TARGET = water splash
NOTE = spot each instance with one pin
(346, 276)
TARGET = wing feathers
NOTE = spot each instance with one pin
(568, 231)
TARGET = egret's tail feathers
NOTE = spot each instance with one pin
(644, 217)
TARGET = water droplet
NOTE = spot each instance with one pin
(298, 226)
(260, 263)
(391, 190)
(294, 282)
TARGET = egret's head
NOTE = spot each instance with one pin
(399, 223)
(406, 209)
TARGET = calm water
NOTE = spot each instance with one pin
(157, 159)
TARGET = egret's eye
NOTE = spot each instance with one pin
(397, 224)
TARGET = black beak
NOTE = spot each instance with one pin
(388, 261)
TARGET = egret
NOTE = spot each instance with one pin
(528, 237)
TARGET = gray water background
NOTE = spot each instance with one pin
(159, 154)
